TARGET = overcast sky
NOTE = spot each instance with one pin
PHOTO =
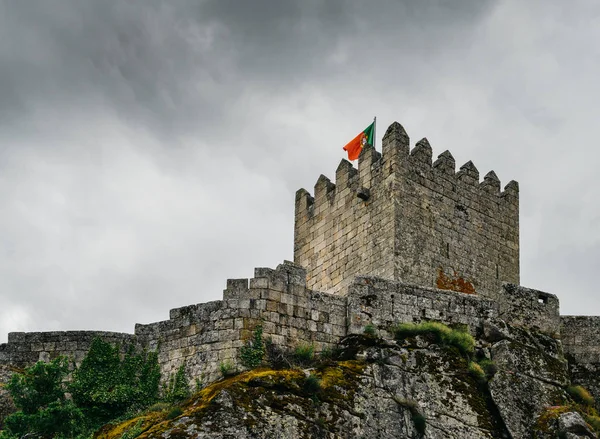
(150, 150)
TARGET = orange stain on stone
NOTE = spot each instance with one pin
(454, 283)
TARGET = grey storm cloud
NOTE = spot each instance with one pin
(151, 149)
(183, 65)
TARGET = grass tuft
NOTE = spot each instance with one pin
(157, 407)
(477, 372)
(458, 338)
(174, 412)
(489, 367)
(370, 330)
(304, 353)
(594, 422)
(312, 384)
(227, 368)
(581, 395)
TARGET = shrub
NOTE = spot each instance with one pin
(581, 394)
(105, 387)
(321, 423)
(39, 385)
(227, 368)
(174, 412)
(304, 354)
(39, 394)
(370, 330)
(458, 338)
(327, 354)
(253, 352)
(158, 407)
(312, 384)
(277, 357)
(178, 388)
(330, 354)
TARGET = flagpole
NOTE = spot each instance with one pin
(374, 132)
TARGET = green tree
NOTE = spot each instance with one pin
(44, 411)
(106, 387)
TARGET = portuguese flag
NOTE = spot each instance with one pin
(355, 146)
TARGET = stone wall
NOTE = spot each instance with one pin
(26, 348)
(581, 344)
(581, 338)
(529, 308)
(384, 303)
(402, 217)
(452, 231)
(202, 336)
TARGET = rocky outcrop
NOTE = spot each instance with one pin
(391, 391)
(417, 387)
(531, 376)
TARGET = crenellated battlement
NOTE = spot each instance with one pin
(419, 160)
(403, 216)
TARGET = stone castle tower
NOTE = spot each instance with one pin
(402, 217)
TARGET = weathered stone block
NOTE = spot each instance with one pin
(259, 283)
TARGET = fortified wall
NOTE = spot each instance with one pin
(204, 335)
(400, 239)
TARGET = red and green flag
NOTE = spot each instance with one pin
(355, 146)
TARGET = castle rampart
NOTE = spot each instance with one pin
(26, 348)
(402, 217)
(385, 303)
(581, 338)
(204, 335)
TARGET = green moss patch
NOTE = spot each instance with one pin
(278, 389)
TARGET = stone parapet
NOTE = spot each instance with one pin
(26, 348)
(581, 338)
(384, 303)
(529, 308)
